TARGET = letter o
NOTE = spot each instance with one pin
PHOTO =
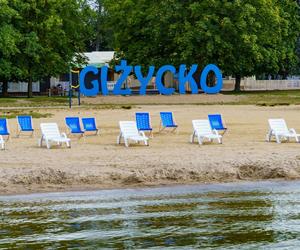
(218, 87)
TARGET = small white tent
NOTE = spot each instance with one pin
(99, 58)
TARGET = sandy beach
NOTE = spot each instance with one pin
(97, 162)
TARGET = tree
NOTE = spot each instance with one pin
(243, 38)
(51, 37)
(287, 38)
(99, 33)
(9, 38)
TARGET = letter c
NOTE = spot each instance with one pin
(161, 88)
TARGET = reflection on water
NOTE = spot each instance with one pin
(230, 216)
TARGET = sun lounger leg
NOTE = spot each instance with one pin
(2, 143)
(277, 138)
(192, 139)
(40, 142)
(48, 144)
(200, 140)
(126, 142)
(161, 127)
(151, 134)
(270, 135)
(119, 138)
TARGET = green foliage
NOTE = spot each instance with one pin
(42, 38)
(99, 34)
(9, 38)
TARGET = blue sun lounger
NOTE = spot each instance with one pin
(25, 124)
(143, 122)
(89, 125)
(4, 131)
(167, 121)
(217, 123)
(73, 124)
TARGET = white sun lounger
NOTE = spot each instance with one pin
(2, 142)
(129, 132)
(279, 130)
(203, 130)
(50, 133)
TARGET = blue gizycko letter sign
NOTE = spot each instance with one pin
(184, 76)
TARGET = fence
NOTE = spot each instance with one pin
(251, 84)
(21, 87)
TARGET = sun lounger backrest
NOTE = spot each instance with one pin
(167, 119)
(25, 122)
(73, 123)
(143, 121)
(128, 128)
(89, 124)
(3, 126)
(202, 127)
(216, 121)
(50, 130)
(278, 125)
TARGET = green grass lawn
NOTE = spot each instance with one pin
(39, 101)
(259, 98)
(12, 113)
(268, 98)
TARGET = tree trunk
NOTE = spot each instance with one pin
(4, 88)
(237, 86)
(29, 90)
(211, 79)
(99, 13)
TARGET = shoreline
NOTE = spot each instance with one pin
(141, 187)
(135, 183)
(96, 162)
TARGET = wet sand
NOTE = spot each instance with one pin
(98, 162)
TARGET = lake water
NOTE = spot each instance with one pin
(264, 215)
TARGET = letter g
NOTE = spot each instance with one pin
(83, 89)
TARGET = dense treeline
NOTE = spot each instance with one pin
(243, 38)
(40, 38)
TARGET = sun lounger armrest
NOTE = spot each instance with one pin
(64, 135)
(292, 130)
(215, 132)
(142, 134)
